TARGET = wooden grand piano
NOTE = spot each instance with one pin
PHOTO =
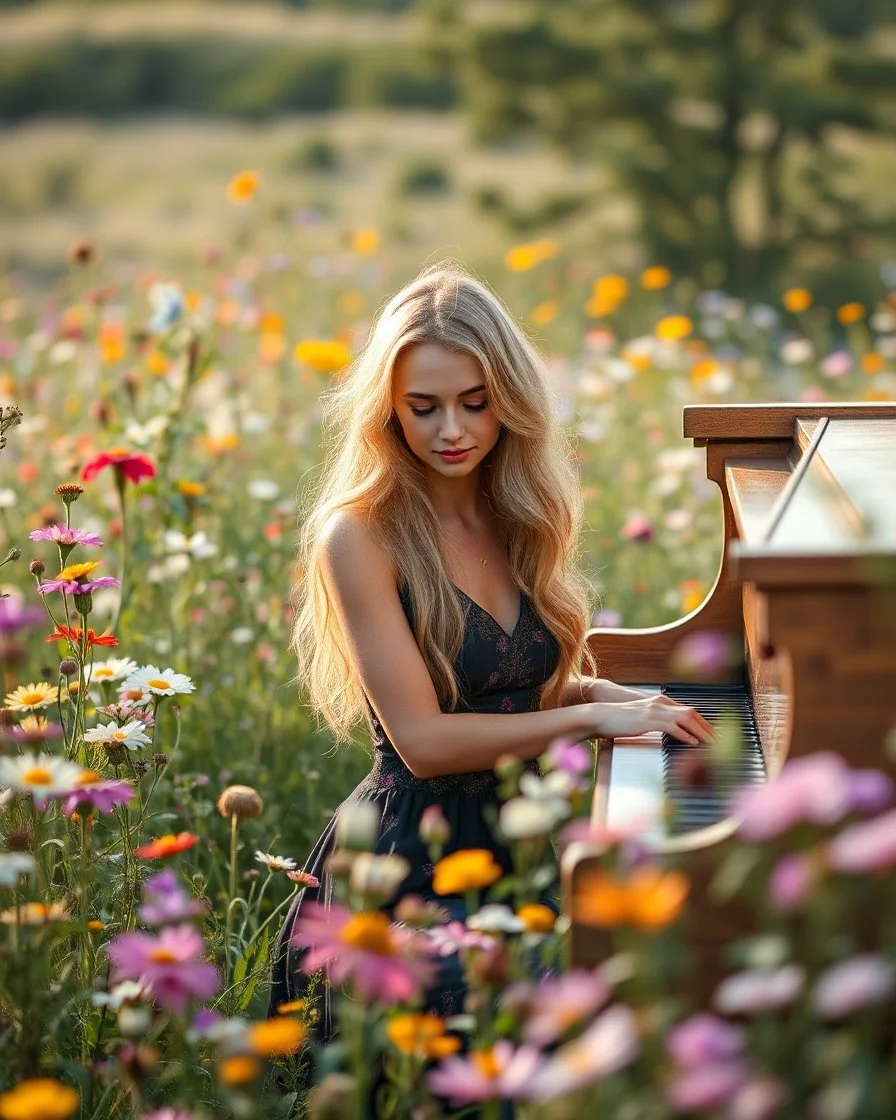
(807, 585)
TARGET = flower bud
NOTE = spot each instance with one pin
(13, 554)
(378, 877)
(160, 760)
(68, 667)
(357, 827)
(242, 802)
(69, 492)
(134, 1020)
(37, 567)
(434, 829)
(83, 603)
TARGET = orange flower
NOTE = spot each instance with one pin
(73, 635)
(275, 1038)
(674, 328)
(796, 300)
(467, 870)
(323, 355)
(40, 1098)
(243, 187)
(649, 898)
(169, 845)
(157, 364)
(365, 241)
(422, 1035)
(537, 918)
(652, 279)
(872, 362)
(271, 347)
(523, 258)
(693, 592)
(850, 313)
(545, 313)
(238, 1069)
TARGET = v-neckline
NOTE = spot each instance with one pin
(519, 616)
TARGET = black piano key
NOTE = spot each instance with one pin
(697, 808)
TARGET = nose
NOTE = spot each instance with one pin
(451, 427)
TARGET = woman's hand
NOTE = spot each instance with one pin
(652, 713)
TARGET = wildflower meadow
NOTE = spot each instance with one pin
(162, 780)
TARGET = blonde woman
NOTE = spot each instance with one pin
(440, 597)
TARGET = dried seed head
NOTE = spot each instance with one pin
(242, 802)
(81, 253)
(68, 667)
(37, 567)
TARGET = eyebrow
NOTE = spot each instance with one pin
(433, 396)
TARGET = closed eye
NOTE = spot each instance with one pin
(479, 406)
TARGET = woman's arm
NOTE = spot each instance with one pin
(598, 690)
(361, 580)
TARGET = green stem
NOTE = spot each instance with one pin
(231, 893)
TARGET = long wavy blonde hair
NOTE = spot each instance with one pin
(528, 478)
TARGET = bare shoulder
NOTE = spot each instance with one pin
(351, 555)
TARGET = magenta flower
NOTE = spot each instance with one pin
(608, 1045)
(704, 655)
(501, 1073)
(637, 527)
(867, 846)
(16, 615)
(706, 1086)
(167, 1114)
(169, 964)
(791, 881)
(384, 963)
(704, 1038)
(101, 794)
(76, 587)
(756, 990)
(65, 537)
(571, 758)
(453, 937)
(558, 1003)
(34, 730)
(853, 984)
(166, 902)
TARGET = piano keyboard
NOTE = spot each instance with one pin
(696, 808)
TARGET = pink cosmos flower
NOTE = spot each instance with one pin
(557, 1003)
(166, 902)
(704, 1038)
(502, 1072)
(607, 1046)
(384, 963)
(637, 527)
(75, 580)
(453, 937)
(867, 846)
(852, 984)
(303, 878)
(704, 655)
(169, 964)
(64, 536)
(790, 881)
(706, 1086)
(101, 794)
(760, 989)
(571, 758)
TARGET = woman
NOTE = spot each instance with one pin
(440, 597)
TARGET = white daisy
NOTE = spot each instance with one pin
(128, 991)
(13, 865)
(263, 489)
(115, 669)
(41, 775)
(198, 546)
(495, 918)
(275, 863)
(131, 734)
(160, 682)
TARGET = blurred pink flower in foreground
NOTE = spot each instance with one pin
(853, 984)
(704, 655)
(637, 527)
(706, 1086)
(754, 991)
(867, 846)
(704, 1038)
(791, 881)
(170, 964)
(385, 963)
(501, 1072)
(571, 758)
(555, 1005)
(607, 1046)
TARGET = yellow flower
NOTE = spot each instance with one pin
(522, 258)
(31, 697)
(275, 1038)
(271, 347)
(323, 355)
(545, 313)
(111, 340)
(192, 300)
(537, 918)
(850, 313)
(157, 363)
(271, 323)
(796, 300)
(290, 1007)
(673, 328)
(34, 914)
(421, 1034)
(467, 870)
(238, 1069)
(41, 1098)
(369, 931)
(611, 287)
(693, 592)
(243, 187)
(703, 370)
(655, 278)
(365, 241)
(217, 445)
(191, 489)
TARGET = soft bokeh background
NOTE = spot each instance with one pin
(682, 201)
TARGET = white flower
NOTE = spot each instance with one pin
(263, 489)
(378, 875)
(495, 918)
(62, 352)
(358, 828)
(254, 423)
(553, 790)
(131, 734)
(275, 863)
(757, 990)
(521, 818)
(242, 635)
(144, 434)
(41, 775)
(8, 498)
(198, 546)
(128, 991)
(796, 351)
(115, 669)
(13, 865)
(160, 682)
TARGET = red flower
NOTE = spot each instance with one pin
(134, 466)
(169, 845)
(73, 635)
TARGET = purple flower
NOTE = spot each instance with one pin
(167, 1114)
(169, 964)
(760, 989)
(77, 587)
(870, 791)
(868, 846)
(166, 902)
(454, 936)
(609, 619)
(16, 615)
(570, 757)
(704, 655)
(556, 1004)
(859, 982)
(706, 1086)
(790, 881)
(704, 1038)
(101, 794)
(65, 537)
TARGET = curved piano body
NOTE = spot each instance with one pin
(807, 584)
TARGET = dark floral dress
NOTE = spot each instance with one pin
(495, 672)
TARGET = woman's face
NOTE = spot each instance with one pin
(440, 400)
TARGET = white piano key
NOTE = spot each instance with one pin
(636, 789)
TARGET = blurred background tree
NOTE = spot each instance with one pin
(737, 125)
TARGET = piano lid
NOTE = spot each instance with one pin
(834, 521)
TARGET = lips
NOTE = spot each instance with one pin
(455, 454)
